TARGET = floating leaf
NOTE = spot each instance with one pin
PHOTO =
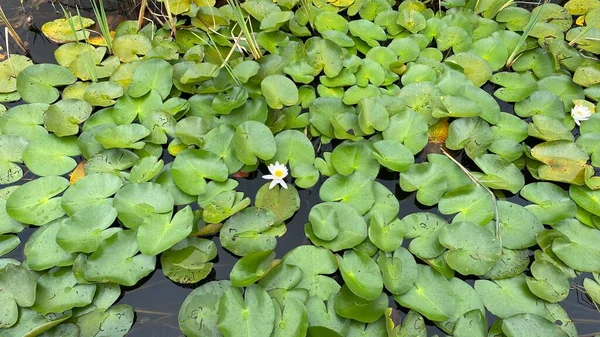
(42, 250)
(313, 275)
(576, 246)
(198, 313)
(90, 190)
(87, 228)
(50, 155)
(251, 268)
(432, 295)
(507, 297)
(37, 83)
(116, 260)
(160, 232)
(247, 231)
(252, 315)
(356, 189)
(349, 305)
(154, 74)
(35, 203)
(135, 202)
(472, 248)
(58, 290)
(18, 290)
(187, 261)
(254, 140)
(192, 166)
(530, 325)
(361, 274)
(282, 202)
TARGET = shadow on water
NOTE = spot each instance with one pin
(156, 299)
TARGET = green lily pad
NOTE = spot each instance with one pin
(350, 157)
(518, 225)
(42, 250)
(500, 173)
(282, 202)
(314, 274)
(247, 231)
(136, 202)
(507, 297)
(349, 305)
(432, 295)
(251, 268)
(251, 315)
(474, 205)
(398, 269)
(548, 282)
(254, 140)
(472, 248)
(187, 261)
(63, 118)
(192, 166)
(36, 84)
(115, 321)
(85, 230)
(61, 30)
(19, 288)
(50, 155)
(58, 290)
(24, 120)
(160, 232)
(11, 152)
(361, 275)
(93, 189)
(198, 313)
(356, 189)
(279, 91)
(577, 240)
(154, 74)
(531, 325)
(35, 202)
(117, 260)
(123, 136)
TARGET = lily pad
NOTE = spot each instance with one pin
(19, 288)
(50, 155)
(117, 260)
(251, 315)
(247, 231)
(187, 261)
(35, 202)
(36, 84)
(198, 313)
(432, 295)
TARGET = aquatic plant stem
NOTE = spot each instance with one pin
(12, 32)
(532, 22)
(480, 184)
(102, 21)
(142, 14)
(248, 35)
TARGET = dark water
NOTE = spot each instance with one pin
(156, 299)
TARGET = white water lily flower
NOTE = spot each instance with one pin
(580, 113)
(278, 172)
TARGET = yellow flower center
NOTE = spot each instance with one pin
(278, 173)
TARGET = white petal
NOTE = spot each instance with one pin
(577, 121)
(269, 176)
(273, 183)
(283, 184)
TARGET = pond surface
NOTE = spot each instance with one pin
(156, 299)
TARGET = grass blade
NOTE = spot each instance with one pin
(12, 31)
(532, 22)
